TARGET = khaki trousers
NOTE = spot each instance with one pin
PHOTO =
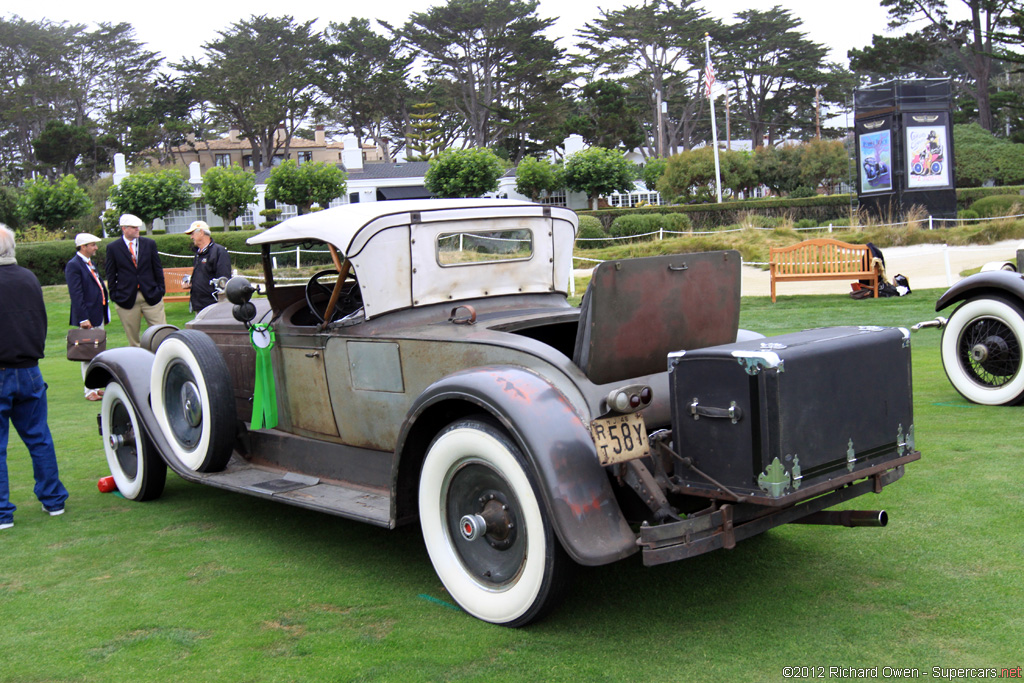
(131, 318)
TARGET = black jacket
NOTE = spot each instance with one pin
(208, 264)
(125, 279)
(24, 318)
(86, 297)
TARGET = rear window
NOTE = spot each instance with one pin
(489, 246)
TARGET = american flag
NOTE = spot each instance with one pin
(709, 77)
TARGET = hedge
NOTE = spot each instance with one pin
(819, 209)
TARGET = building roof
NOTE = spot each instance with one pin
(375, 170)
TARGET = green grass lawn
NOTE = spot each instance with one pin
(206, 585)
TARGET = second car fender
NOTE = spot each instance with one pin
(981, 284)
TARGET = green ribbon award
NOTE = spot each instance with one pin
(264, 400)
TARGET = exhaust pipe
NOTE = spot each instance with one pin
(848, 518)
(938, 323)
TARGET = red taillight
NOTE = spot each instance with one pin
(645, 395)
(634, 401)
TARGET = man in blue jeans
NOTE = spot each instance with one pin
(22, 390)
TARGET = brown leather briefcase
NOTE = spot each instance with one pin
(85, 344)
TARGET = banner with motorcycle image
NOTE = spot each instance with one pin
(874, 144)
(928, 162)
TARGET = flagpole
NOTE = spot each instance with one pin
(709, 80)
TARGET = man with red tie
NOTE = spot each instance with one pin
(135, 278)
(88, 293)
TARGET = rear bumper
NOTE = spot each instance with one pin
(725, 525)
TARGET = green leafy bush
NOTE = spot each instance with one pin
(805, 223)
(637, 224)
(802, 192)
(591, 229)
(997, 205)
(967, 215)
(677, 222)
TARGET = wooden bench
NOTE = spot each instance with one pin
(174, 290)
(822, 259)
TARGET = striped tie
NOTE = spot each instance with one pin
(92, 271)
(131, 250)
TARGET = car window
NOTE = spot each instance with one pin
(466, 248)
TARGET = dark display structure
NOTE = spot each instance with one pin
(904, 138)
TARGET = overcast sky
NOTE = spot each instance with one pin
(178, 29)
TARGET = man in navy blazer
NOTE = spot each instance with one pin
(136, 279)
(88, 293)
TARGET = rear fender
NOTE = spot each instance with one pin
(554, 440)
(984, 284)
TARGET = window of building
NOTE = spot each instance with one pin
(304, 157)
(222, 159)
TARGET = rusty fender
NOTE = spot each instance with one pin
(984, 284)
(556, 443)
(131, 368)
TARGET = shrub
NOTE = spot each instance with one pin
(997, 205)
(637, 224)
(802, 192)
(804, 223)
(678, 222)
(591, 229)
(967, 215)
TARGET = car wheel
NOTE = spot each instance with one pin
(486, 528)
(193, 401)
(137, 469)
(981, 351)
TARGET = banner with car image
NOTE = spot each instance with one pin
(927, 152)
(875, 161)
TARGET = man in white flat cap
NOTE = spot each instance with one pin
(135, 277)
(212, 261)
(89, 297)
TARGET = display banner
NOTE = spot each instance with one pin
(874, 144)
(928, 162)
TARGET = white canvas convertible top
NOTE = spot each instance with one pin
(393, 247)
(350, 226)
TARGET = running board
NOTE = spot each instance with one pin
(301, 490)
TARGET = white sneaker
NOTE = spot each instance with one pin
(6, 525)
(53, 513)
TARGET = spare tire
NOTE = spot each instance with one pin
(193, 401)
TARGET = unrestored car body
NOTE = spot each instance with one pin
(443, 377)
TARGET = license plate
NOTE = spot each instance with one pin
(620, 438)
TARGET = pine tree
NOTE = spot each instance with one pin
(424, 140)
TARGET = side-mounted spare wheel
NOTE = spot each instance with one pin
(192, 400)
(486, 527)
(137, 469)
(981, 351)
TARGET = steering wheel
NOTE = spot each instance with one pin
(348, 297)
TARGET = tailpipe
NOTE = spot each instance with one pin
(938, 323)
(849, 518)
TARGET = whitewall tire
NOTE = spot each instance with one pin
(982, 353)
(486, 529)
(193, 401)
(137, 469)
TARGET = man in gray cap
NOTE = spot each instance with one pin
(135, 277)
(212, 261)
(88, 293)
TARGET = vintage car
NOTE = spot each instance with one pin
(981, 339)
(437, 373)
